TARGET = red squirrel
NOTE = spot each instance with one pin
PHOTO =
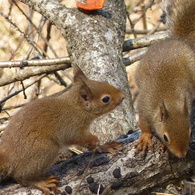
(34, 136)
(166, 82)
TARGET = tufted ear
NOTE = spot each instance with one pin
(85, 95)
(78, 74)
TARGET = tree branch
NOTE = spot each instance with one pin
(135, 57)
(129, 31)
(144, 41)
(20, 90)
(27, 73)
(40, 62)
(123, 173)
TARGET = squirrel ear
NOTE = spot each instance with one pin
(86, 95)
(78, 74)
(163, 113)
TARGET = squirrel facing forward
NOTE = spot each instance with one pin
(34, 136)
(166, 82)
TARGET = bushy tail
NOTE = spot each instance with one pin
(181, 18)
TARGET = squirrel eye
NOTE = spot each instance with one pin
(166, 138)
(106, 99)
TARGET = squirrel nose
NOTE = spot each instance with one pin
(180, 154)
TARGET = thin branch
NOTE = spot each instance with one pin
(23, 89)
(62, 82)
(85, 172)
(132, 25)
(25, 74)
(143, 41)
(33, 44)
(20, 90)
(145, 8)
(13, 107)
(129, 31)
(134, 58)
(144, 15)
(40, 62)
(36, 47)
(152, 31)
(48, 37)
(38, 31)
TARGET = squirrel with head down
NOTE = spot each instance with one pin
(34, 136)
(166, 82)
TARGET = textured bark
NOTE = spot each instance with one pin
(95, 43)
(123, 173)
(27, 73)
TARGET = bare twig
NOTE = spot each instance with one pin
(38, 31)
(23, 89)
(132, 25)
(36, 47)
(154, 29)
(48, 37)
(20, 90)
(143, 41)
(41, 62)
(13, 107)
(144, 9)
(129, 31)
(85, 172)
(144, 15)
(134, 58)
(25, 74)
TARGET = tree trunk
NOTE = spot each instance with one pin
(94, 42)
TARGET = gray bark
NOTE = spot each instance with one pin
(94, 43)
(123, 173)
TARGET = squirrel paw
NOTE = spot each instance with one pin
(47, 185)
(110, 147)
(144, 141)
(165, 150)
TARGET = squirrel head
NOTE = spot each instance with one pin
(174, 129)
(96, 97)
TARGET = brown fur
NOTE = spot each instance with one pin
(34, 136)
(166, 82)
(181, 17)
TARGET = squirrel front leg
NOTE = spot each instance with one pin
(91, 141)
(87, 140)
(146, 138)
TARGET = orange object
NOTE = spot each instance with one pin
(91, 5)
